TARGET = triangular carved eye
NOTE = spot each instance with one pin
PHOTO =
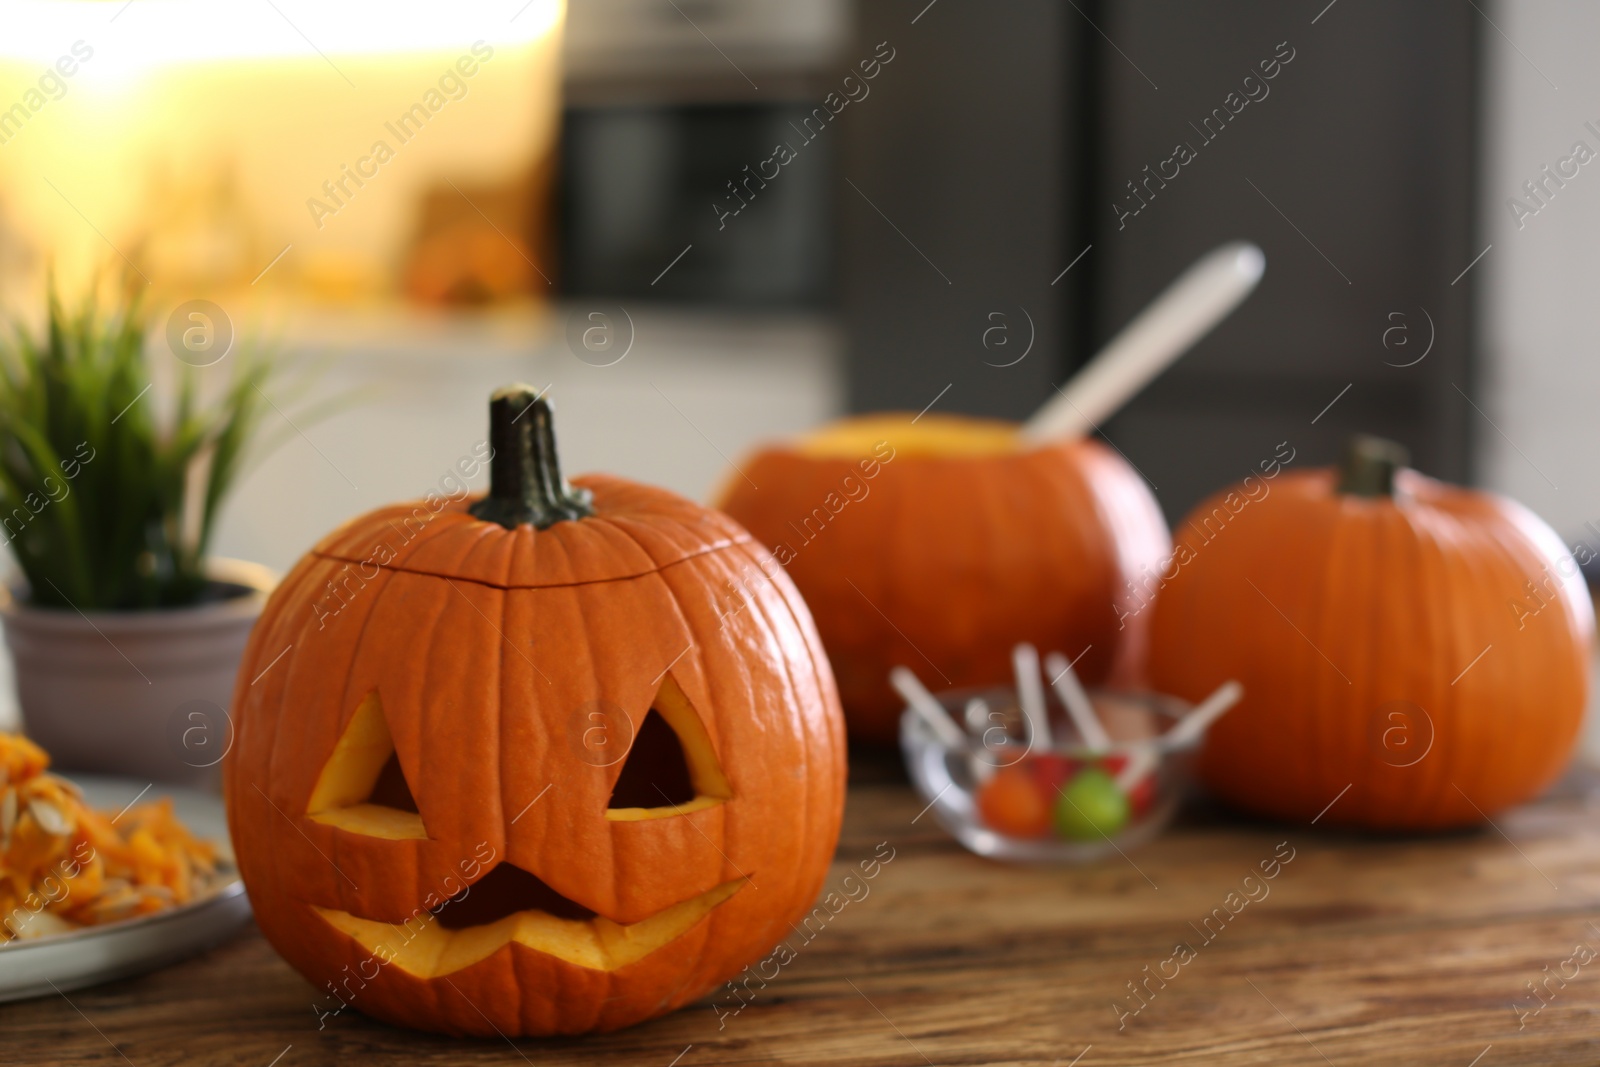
(671, 767)
(391, 790)
(362, 787)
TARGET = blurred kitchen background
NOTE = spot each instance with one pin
(972, 203)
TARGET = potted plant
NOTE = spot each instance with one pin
(126, 636)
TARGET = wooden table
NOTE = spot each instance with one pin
(1365, 951)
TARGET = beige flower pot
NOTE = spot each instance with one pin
(137, 693)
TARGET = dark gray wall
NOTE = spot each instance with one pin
(964, 146)
(1364, 145)
(1004, 133)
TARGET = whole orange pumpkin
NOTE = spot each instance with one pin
(939, 542)
(1413, 654)
(513, 766)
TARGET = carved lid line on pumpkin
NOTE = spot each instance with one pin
(430, 572)
(636, 530)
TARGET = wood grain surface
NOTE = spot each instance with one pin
(1364, 951)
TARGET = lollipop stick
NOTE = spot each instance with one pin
(1186, 310)
(930, 710)
(1070, 690)
(1208, 711)
(976, 715)
(1030, 693)
(1141, 761)
(977, 718)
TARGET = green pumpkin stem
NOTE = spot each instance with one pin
(1369, 466)
(525, 483)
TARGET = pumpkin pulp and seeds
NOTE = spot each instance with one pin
(64, 866)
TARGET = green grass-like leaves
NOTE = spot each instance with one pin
(106, 504)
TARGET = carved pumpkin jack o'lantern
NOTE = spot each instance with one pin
(515, 766)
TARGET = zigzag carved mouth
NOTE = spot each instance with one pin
(510, 905)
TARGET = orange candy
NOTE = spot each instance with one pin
(1011, 803)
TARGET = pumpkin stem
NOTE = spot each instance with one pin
(525, 483)
(1369, 466)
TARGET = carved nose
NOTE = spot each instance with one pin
(506, 890)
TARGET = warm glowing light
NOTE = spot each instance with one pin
(155, 33)
(197, 139)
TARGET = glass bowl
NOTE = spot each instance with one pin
(951, 779)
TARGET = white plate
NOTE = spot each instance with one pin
(116, 950)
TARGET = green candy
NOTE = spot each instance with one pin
(1090, 807)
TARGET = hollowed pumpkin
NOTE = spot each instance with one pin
(517, 770)
(1424, 645)
(940, 542)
